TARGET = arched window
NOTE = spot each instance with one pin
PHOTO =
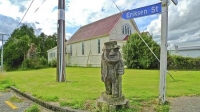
(126, 29)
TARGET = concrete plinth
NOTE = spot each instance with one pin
(106, 103)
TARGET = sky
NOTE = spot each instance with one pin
(183, 19)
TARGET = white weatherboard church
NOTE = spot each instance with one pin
(84, 48)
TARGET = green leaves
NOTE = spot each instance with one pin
(21, 40)
(137, 55)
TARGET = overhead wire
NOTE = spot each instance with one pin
(25, 13)
(32, 25)
(144, 41)
(39, 6)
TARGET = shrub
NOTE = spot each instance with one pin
(43, 61)
(26, 63)
(35, 63)
(53, 63)
(179, 62)
(137, 55)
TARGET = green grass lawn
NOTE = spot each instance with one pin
(84, 85)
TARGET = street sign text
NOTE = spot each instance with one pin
(143, 11)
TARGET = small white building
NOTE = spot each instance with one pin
(84, 48)
(186, 49)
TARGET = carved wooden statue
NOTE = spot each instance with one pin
(112, 67)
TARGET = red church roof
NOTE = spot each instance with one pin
(126, 38)
(96, 29)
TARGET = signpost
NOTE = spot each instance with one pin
(163, 52)
(143, 11)
(150, 10)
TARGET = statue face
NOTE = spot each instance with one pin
(112, 53)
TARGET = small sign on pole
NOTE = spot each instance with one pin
(150, 10)
(143, 11)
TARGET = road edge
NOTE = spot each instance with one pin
(45, 104)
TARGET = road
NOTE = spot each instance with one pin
(10, 106)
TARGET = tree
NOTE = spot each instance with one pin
(16, 47)
(45, 43)
(137, 55)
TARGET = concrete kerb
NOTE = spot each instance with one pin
(45, 104)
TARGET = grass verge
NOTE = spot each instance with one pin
(5, 82)
(33, 108)
(84, 86)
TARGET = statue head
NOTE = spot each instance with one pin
(111, 52)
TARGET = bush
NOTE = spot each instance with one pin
(53, 63)
(43, 61)
(179, 62)
(26, 63)
(137, 55)
(35, 63)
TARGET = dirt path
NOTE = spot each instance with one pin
(185, 104)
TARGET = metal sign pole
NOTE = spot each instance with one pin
(163, 53)
(60, 77)
(155, 9)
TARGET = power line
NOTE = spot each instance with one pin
(39, 6)
(116, 6)
(140, 36)
(25, 13)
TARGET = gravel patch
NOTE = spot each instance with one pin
(21, 106)
(185, 104)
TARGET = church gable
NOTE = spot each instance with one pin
(96, 29)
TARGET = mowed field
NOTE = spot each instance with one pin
(84, 85)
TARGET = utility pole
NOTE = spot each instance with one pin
(61, 77)
(163, 52)
(2, 51)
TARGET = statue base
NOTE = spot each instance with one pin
(106, 103)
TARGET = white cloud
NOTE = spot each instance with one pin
(45, 15)
(184, 18)
(9, 10)
(82, 12)
(183, 22)
(155, 26)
